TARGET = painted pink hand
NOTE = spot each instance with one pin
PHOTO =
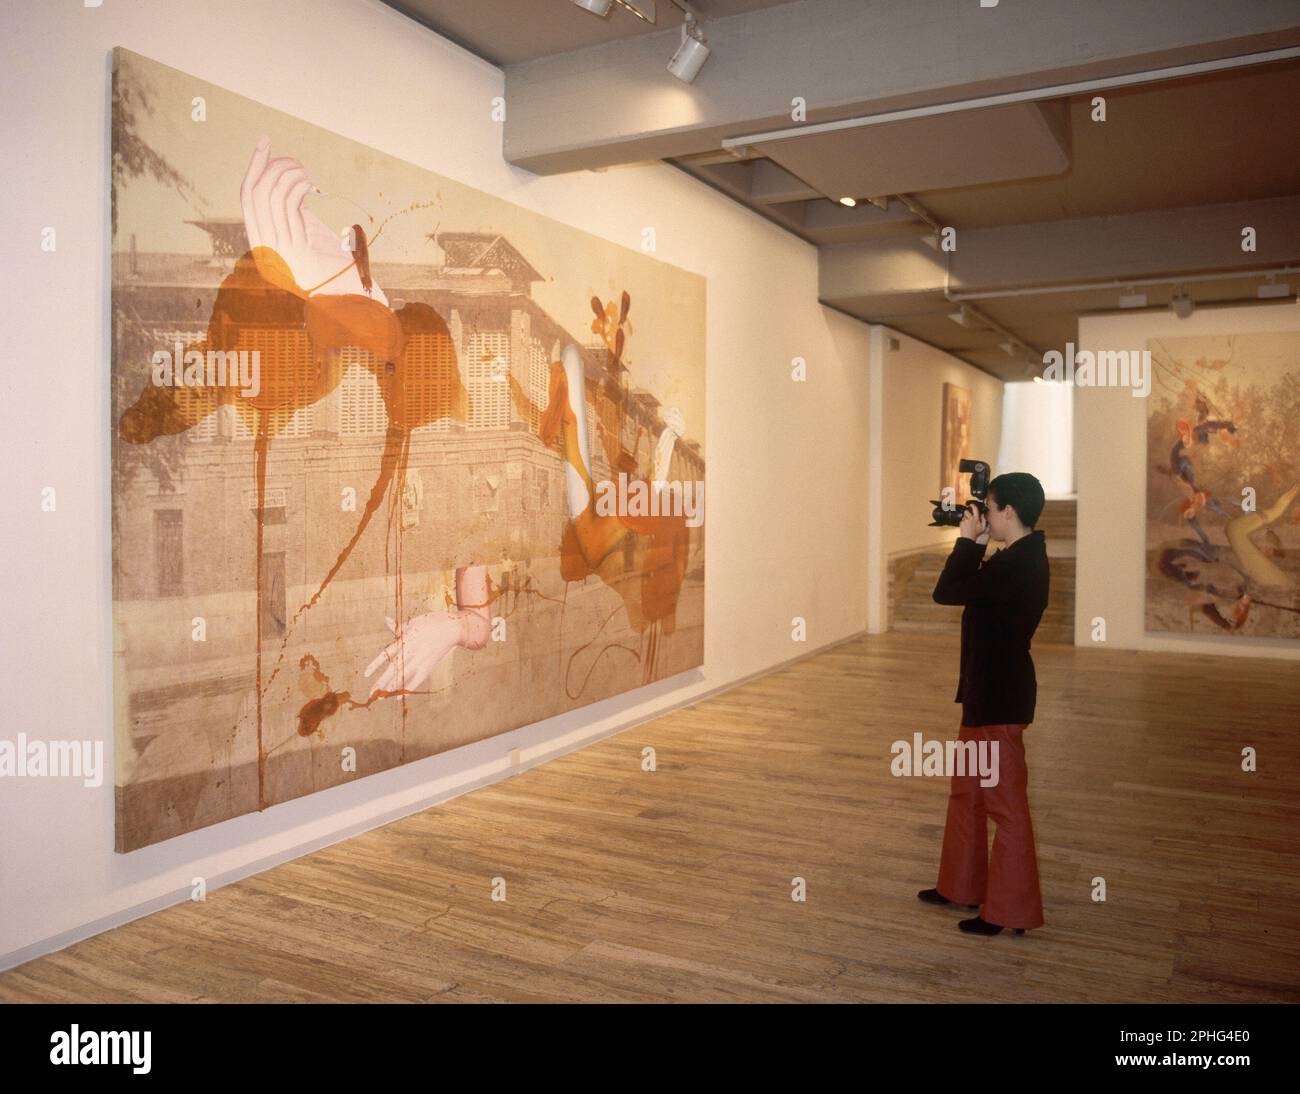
(414, 653)
(426, 639)
(271, 197)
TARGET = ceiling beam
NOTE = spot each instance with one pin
(616, 103)
(1101, 251)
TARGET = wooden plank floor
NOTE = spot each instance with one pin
(675, 885)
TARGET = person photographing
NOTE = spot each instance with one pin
(1004, 599)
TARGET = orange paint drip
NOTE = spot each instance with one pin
(314, 712)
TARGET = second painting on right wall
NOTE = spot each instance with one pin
(955, 442)
(1223, 486)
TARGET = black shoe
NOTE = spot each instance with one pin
(978, 926)
(933, 896)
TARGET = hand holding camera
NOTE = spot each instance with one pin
(974, 524)
(947, 514)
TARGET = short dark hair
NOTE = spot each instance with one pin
(1022, 492)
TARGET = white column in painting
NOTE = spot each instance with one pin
(575, 379)
(674, 429)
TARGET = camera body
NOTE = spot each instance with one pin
(979, 488)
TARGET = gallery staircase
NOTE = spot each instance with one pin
(912, 576)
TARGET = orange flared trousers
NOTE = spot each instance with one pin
(1006, 882)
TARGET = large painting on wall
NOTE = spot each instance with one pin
(1223, 486)
(955, 441)
(397, 466)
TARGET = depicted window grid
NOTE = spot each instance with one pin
(539, 383)
(291, 350)
(362, 410)
(487, 355)
(430, 362)
(206, 428)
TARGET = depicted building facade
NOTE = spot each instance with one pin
(492, 463)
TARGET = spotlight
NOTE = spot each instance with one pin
(1182, 304)
(850, 202)
(962, 317)
(691, 54)
(642, 9)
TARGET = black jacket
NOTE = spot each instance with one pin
(1004, 601)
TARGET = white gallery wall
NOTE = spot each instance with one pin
(907, 378)
(787, 481)
(914, 375)
(1111, 456)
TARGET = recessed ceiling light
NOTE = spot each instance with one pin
(850, 202)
